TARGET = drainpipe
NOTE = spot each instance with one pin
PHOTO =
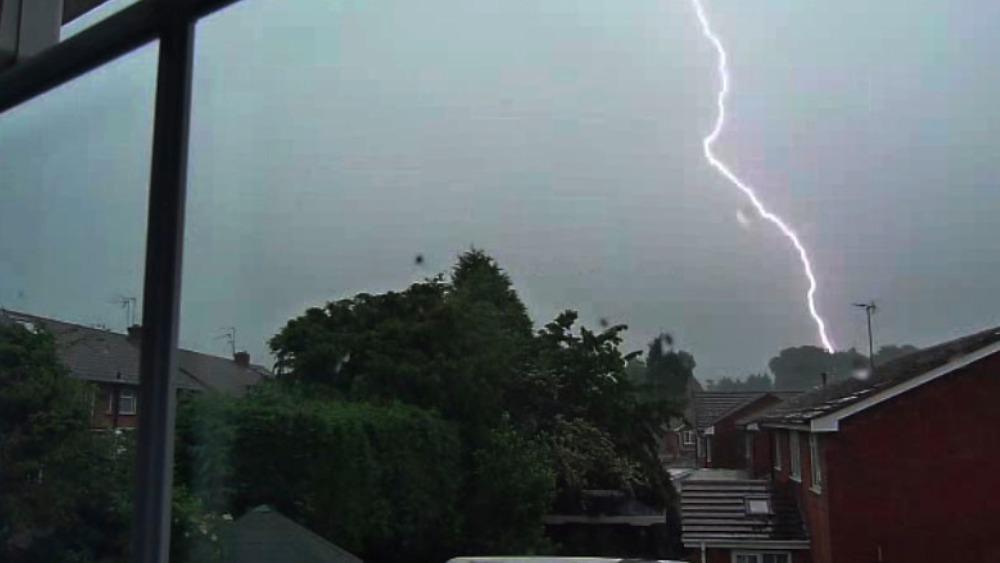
(703, 560)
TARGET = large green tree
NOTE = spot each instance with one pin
(533, 410)
(62, 492)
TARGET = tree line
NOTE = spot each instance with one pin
(802, 368)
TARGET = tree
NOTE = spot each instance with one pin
(62, 495)
(801, 368)
(752, 382)
(539, 415)
(668, 372)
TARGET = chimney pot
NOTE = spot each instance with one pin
(135, 333)
(242, 358)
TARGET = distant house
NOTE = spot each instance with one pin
(722, 442)
(263, 535)
(901, 466)
(728, 518)
(678, 446)
(110, 360)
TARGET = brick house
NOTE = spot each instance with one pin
(722, 441)
(678, 446)
(903, 466)
(110, 361)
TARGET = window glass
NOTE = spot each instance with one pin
(74, 167)
(815, 461)
(777, 449)
(794, 455)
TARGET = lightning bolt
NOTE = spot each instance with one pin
(709, 141)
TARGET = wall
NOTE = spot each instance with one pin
(918, 477)
(101, 415)
(763, 457)
(728, 443)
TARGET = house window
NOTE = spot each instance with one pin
(762, 557)
(815, 463)
(748, 447)
(126, 401)
(758, 507)
(777, 450)
(794, 456)
(688, 437)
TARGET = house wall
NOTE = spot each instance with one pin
(762, 458)
(912, 479)
(101, 416)
(916, 478)
(729, 440)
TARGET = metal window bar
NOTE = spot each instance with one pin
(172, 23)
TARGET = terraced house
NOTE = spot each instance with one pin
(901, 466)
(110, 361)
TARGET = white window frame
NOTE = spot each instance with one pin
(124, 393)
(759, 555)
(794, 456)
(815, 463)
(687, 437)
(777, 450)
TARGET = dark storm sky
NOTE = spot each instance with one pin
(334, 140)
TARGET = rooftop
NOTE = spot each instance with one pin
(97, 354)
(732, 512)
(843, 393)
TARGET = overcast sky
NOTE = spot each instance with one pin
(332, 141)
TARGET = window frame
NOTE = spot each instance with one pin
(815, 463)
(687, 438)
(794, 456)
(172, 25)
(777, 450)
(128, 394)
(758, 555)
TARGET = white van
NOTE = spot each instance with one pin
(553, 560)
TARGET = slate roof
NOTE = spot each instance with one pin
(95, 354)
(845, 392)
(264, 535)
(710, 406)
(715, 511)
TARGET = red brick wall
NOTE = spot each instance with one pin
(729, 441)
(763, 458)
(101, 416)
(918, 477)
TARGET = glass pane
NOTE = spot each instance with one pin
(73, 194)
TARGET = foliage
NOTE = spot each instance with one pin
(668, 371)
(432, 421)
(752, 382)
(801, 368)
(511, 484)
(60, 484)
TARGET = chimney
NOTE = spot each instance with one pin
(135, 333)
(242, 359)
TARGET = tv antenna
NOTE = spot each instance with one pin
(229, 333)
(869, 310)
(128, 305)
